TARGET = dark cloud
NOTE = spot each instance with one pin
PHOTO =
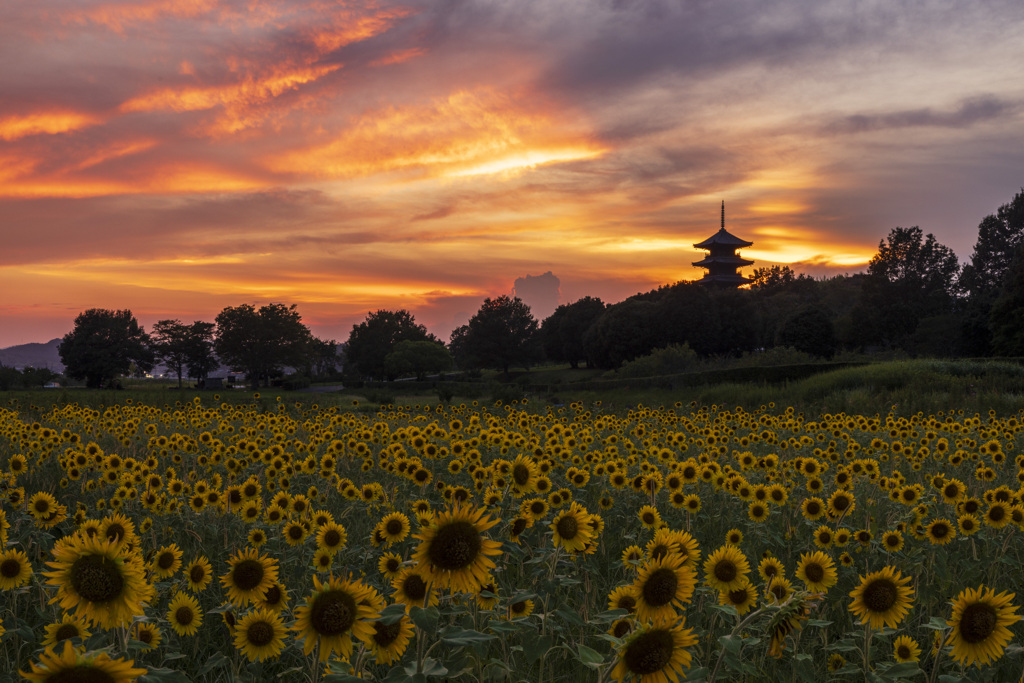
(969, 113)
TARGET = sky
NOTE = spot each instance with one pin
(175, 157)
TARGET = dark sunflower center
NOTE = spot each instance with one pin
(660, 587)
(814, 572)
(650, 652)
(145, 636)
(518, 607)
(567, 527)
(627, 602)
(66, 631)
(770, 570)
(392, 564)
(977, 622)
(115, 532)
(880, 595)
(778, 589)
(332, 538)
(951, 491)
(184, 615)
(903, 652)
(247, 575)
(83, 673)
(260, 633)
(385, 634)
(840, 503)
(414, 587)
(394, 527)
(333, 613)
(455, 546)
(997, 513)
(738, 597)
(725, 570)
(537, 508)
(295, 532)
(892, 541)
(521, 474)
(96, 579)
(273, 595)
(620, 628)
(165, 560)
(10, 568)
(42, 505)
(940, 530)
(648, 518)
(518, 526)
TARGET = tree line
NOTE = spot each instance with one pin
(914, 298)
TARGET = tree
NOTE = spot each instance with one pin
(417, 357)
(625, 331)
(373, 339)
(911, 277)
(103, 345)
(999, 235)
(563, 330)
(1007, 317)
(503, 333)
(261, 342)
(810, 331)
(185, 348)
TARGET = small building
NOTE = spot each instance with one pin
(722, 261)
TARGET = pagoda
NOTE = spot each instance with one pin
(722, 261)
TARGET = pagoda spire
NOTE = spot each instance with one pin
(722, 261)
(723, 214)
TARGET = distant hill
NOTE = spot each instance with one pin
(35, 355)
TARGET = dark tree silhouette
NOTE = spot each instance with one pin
(103, 345)
(811, 331)
(562, 332)
(502, 334)
(372, 340)
(418, 358)
(261, 342)
(1007, 317)
(185, 349)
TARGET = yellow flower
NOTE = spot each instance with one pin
(655, 653)
(883, 598)
(71, 665)
(980, 622)
(337, 611)
(260, 635)
(726, 569)
(15, 569)
(185, 614)
(454, 550)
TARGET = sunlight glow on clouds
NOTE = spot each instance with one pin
(179, 156)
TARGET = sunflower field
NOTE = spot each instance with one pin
(212, 541)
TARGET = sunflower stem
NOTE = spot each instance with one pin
(867, 648)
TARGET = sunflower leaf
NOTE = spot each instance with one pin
(391, 614)
(589, 657)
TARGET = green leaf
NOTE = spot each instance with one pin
(464, 637)
(392, 614)
(589, 657)
(216, 660)
(818, 622)
(732, 644)
(159, 675)
(936, 624)
(426, 619)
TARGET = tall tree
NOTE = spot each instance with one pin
(261, 342)
(1007, 316)
(911, 277)
(999, 236)
(372, 340)
(103, 345)
(418, 358)
(503, 333)
(563, 330)
(169, 341)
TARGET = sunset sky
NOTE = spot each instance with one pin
(175, 157)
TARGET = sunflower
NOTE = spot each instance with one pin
(940, 531)
(649, 517)
(249, 576)
(119, 529)
(412, 587)
(998, 515)
(726, 569)
(72, 665)
(823, 537)
(758, 511)
(770, 567)
(979, 625)
(786, 621)
(166, 561)
(524, 476)
(632, 556)
(906, 649)
(185, 614)
(65, 629)
(663, 585)
(294, 532)
(257, 537)
(623, 597)
(742, 598)
(337, 610)
(487, 598)
(322, 560)
(103, 584)
(778, 590)
(882, 599)
(260, 635)
(572, 529)
(655, 653)
(967, 524)
(389, 565)
(15, 569)
(817, 571)
(389, 641)
(331, 537)
(395, 527)
(454, 550)
(840, 504)
(734, 537)
(520, 609)
(275, 598)
(198, 574)
(892, 541)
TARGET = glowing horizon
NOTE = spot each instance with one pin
(178, 156)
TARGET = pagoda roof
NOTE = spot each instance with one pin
(723, 237)
(730, 260)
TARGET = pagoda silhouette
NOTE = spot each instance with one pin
(722, 261)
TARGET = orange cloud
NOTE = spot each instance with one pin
(351, 28)
(116, 15)
(400, 56)
(49, 123)
(465, 133)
